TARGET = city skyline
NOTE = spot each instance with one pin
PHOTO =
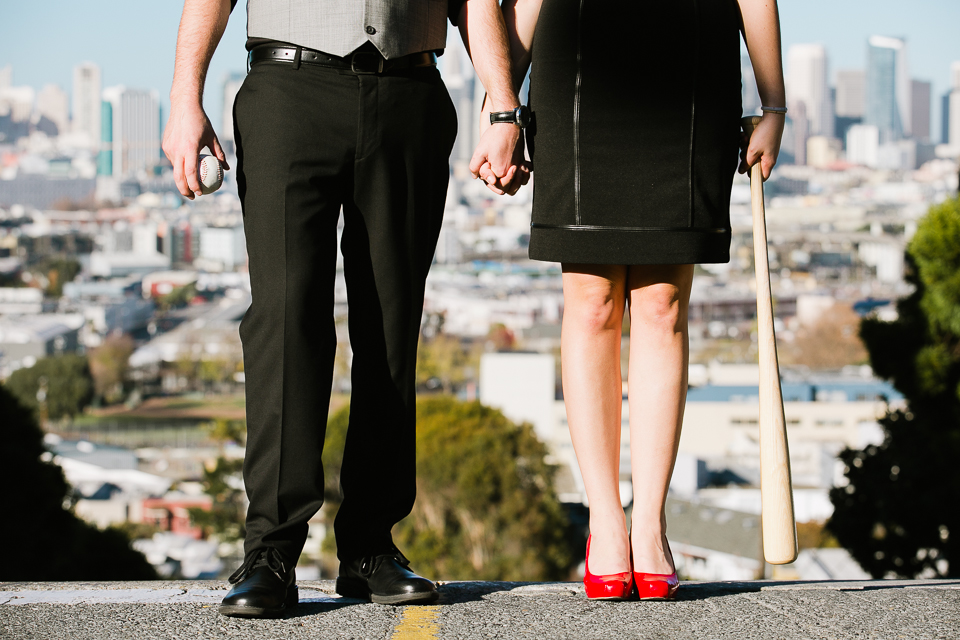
(82, 34)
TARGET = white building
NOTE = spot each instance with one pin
(87, 102)
(224, 246)
(807, 82)
(851, 93)
(231, 85)
(863, 145)
(953, 117)
(20, 300)
(17, 102)
(53, 104)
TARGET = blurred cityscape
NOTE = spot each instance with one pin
(101, 257)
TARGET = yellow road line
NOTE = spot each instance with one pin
(417, 623)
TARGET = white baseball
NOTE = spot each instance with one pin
(210, 173)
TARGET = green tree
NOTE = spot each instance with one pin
(448, 361)
(486, 507)
(109, 364)
(58, 272)
(898, 515)
(179, 297)
(45, 540)
(222, 481)
(68, 385)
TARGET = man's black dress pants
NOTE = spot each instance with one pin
(310, 141)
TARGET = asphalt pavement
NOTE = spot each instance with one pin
(471, 610)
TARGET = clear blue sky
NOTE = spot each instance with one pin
(133, 41)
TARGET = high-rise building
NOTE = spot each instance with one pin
(851, 93)
(53, 104)
(920, 109)
(6, 76)
(945, 118)
(801, 131)
(888, 88)
(105, 155)
(135, 129)
(953, 117)
(86, 101)
(955, 74)
(461, 80)
(749, 96)
(231, 85)
(807, 83)
(17, 102)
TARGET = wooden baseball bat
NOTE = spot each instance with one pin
(776, 489)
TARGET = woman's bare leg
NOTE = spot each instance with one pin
(659, 298)
(593, 307)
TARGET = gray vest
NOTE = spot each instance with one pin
(337, 27)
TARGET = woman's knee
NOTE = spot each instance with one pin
(660, 306)
(595, 307)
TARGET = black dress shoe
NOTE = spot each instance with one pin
(384, 579)
(263, 587)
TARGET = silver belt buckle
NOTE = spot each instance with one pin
(363, 69)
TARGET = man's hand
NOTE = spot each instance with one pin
(499, 161)
(187, 132)
(763, 146)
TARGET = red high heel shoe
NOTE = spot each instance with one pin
(656, 586)
(615, 586)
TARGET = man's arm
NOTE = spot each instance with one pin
(520, 17)
(485, 37)
(189, 130)
(761, 31)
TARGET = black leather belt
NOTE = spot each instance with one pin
(360, 62)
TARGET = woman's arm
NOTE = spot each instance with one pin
(521, 19)
(761, 31)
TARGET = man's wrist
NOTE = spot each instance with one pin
(519, 116)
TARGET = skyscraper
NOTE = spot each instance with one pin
(851, 93)
(231, 85)
(135, 130)
(807, 83)
(920, 109)
(749, 96)
(53, 104)
(953, 111)
(950, 111)
(105, 156)
(460, 79)
(888, 88)
(86, 101)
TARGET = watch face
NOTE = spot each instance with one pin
(523, 116)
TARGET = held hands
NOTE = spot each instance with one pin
(499, 159)
(763, 146)
(187, 132)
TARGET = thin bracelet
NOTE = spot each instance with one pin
(782, 110)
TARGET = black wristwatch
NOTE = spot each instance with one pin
(519, 116)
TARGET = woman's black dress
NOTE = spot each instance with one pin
(636, 130)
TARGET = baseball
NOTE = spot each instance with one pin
(210, 173)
